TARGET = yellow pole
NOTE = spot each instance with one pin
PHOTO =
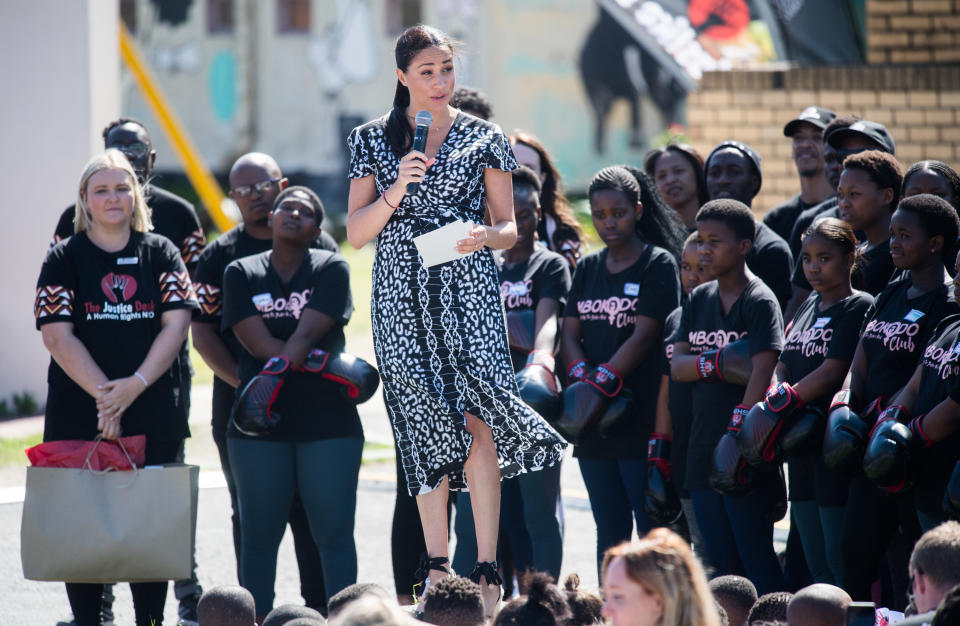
(197, 172)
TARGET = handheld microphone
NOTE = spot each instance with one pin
(423, 121)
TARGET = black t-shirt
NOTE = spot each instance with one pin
(115, 301)
(895, 334)
(312, 408)
(939, 379)
(771, 261)
(781, 218)
(806, 219)
(172, 216)
(545, 274)
(813, 336)
(608, 306)
(756, 316)
(234, 244)
(681, 406)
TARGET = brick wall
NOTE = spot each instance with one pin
(913, 31)
(919, 105)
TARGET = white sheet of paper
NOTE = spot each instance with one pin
(439, 246)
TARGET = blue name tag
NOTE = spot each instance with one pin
(262, 299)
(913, 315)
(127, 260)
(821, 322)
(631, 289)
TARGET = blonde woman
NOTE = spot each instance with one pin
(656, 582)
(113, 305)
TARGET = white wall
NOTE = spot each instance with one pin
(62, 62)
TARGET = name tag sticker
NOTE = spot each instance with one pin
(518, 289)
(262, 299)
(913, 315)
(956, 348)
(631, 289)
(821, 322)
(127, 260)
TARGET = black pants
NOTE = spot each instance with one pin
(312, 588)
(148, 598)
(875, 520)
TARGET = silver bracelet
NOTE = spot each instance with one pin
(142, 378)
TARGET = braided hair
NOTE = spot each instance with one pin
(659, 224)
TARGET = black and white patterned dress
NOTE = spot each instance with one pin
(439, 332)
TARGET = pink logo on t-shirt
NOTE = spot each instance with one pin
(810, 342)
(942, 360)
(701, 340)
(518, 295)
(896, 336)
(271, 307)
(616, 311)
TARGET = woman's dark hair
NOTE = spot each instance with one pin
(936, 217)
(942, 170)
(409, 43)
(525, 177)
(659, 224)
(544, 605)
(552, 200)
(882, 168)
(687, 152)
(314, 200)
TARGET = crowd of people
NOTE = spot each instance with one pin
(707, 368)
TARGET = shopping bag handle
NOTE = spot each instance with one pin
(97, 440)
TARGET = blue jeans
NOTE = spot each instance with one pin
(267, 473)
(738, 535)
(616, 489)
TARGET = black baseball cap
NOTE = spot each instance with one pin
(877, 133)
(743, 148)
(817, 116)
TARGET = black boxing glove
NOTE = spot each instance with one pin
(620, 415)
(951, 495)
(578, 371)
(730, 364)
(759, 438)
(606, 380)
(660, 502)
(805, 436)
(358, 379)
(538, 384)
(845, 436)
(582, 407)
(780, 496)
(253, 412)
(731, 474)
(888, 459)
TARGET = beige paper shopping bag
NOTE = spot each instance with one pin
(88, 527)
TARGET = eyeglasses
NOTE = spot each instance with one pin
(245, 190)
(137, 149)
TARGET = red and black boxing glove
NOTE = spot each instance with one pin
(661, 502)
(253, 412)
(578, 371)
(845, 436)
(537, 384)
(765, 423)
(358, 380)
(888, 458)
(731, 474)
(606, 380)
(729, 364)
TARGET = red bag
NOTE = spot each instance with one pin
(102, 454)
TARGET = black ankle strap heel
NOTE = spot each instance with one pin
(422, 574)
(487, 569)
